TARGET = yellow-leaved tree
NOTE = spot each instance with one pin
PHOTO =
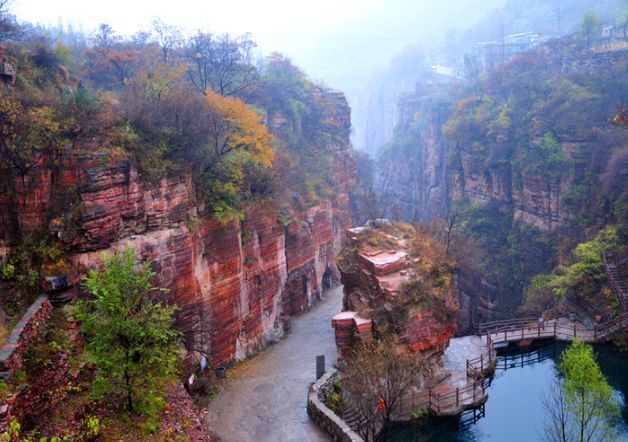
(236, 127)
(239, 147)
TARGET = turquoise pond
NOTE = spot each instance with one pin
(514, 411)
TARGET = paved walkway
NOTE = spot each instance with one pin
(456, 355)
(264, 398)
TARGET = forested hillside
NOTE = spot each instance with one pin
(525, 159)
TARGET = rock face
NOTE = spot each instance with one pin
(425, 171)
(420, 182)
(376, 267)
(416, 181)
(235, 283)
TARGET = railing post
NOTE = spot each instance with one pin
(457, 396)
(538, 329)
(506, 335)
(554, 328)
(474, 383)
(481, 363)
(429, 398)
(574, 330)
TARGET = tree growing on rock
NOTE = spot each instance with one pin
(238, 142)
(128, 333)
(26, 134)
(581, 406)
(376, 379)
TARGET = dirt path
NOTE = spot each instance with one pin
(264, 398)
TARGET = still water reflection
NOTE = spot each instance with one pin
(514, 411)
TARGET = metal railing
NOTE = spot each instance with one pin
(612, 260)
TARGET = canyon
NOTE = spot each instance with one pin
(425, 170)
(525, 186)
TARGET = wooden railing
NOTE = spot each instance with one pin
(450, 401)
(508, 324)
(478, 367)
(517, 330)
(610, 327)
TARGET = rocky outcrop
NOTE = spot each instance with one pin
(378, 268)
(235, 283)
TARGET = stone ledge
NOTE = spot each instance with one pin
(23, 335)
(323, 416)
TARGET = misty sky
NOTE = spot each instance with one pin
(315, 34)
(341, 43)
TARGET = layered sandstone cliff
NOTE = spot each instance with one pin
(235, 283)
(423, 179)
(396, 280)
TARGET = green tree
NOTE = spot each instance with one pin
(590, 25)
(583, 278)
(128, 334)
(582, 407)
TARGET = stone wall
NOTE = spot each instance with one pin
(586, 62)
(25, 333)
(322, 415)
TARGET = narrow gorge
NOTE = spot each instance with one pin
(419, 235)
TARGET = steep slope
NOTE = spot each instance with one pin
(524, 160)
(235, 283)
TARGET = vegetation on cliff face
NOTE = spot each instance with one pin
(582, 281)
(128, 334)
(527, 145)
(173, 105)
(509, 252)
(429, 282)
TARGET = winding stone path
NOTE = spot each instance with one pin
(265, 398)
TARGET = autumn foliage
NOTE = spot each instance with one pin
(172, 105)
(236, 127)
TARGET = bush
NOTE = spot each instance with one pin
(128, 333)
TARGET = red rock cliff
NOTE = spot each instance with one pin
(379, 267)
(235, 283)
